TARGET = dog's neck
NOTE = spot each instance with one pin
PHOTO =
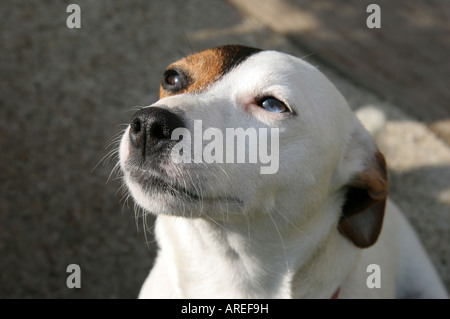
(253, 259)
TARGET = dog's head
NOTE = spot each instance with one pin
(239, 132)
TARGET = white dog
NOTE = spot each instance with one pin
(320, 226)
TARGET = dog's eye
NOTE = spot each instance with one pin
(173, 80)
(271, 104)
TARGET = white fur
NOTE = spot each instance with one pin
(283, 242)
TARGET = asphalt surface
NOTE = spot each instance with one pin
(65, 94)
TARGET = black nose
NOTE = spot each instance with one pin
(152, 127)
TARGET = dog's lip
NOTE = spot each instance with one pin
(156, 181)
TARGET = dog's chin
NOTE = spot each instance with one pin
(156, 196)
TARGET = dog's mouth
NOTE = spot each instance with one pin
(153, 183)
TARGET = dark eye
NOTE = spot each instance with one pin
(271, 104)
(173, 80)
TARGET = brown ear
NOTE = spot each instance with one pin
(363, 210)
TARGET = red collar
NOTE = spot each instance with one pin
(336, 293)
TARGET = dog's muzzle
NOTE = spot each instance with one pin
(149, 146)
(150, 131)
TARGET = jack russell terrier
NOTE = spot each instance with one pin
(319, 225)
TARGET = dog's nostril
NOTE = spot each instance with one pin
(137, 136)
(158, 132)
(136, 126)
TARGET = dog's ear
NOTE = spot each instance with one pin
(363, 210)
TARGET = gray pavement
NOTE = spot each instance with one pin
(65, 93)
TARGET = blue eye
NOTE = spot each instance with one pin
(271, 104)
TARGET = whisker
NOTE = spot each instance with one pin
(282, 242)
(115, 170)
(115, 141)
(298, 228)
(134, 108)
(187, 41)
(110, 153)
(117, 136)
(122, 188)
(215, 222)
(308, 55)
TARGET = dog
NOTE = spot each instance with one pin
(320, 226)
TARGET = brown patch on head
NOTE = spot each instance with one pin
(196, 72)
